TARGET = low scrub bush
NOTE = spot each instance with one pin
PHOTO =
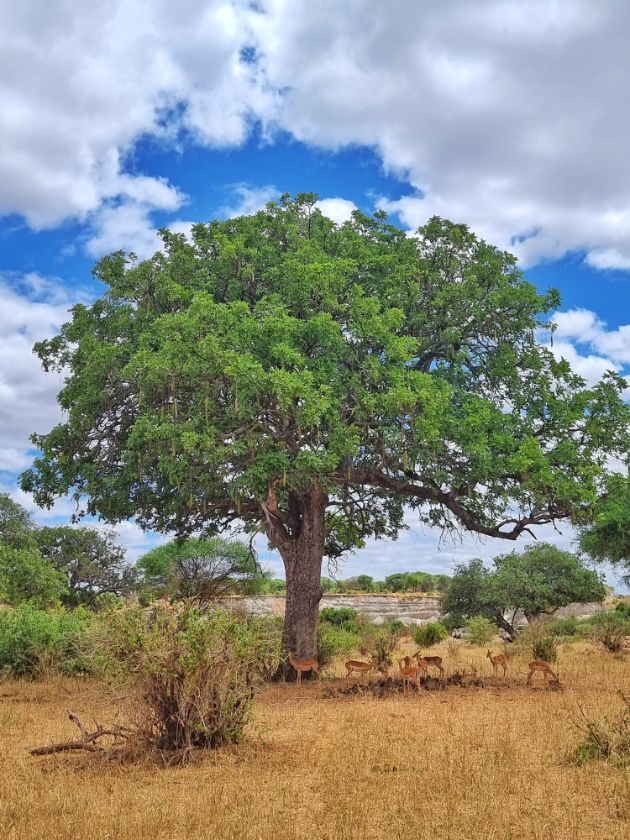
(480, 630)
(344, 617)
(569, 627)
(33, 641)
(537, 640)
(610, 630)
(607, 739)
(192, 671)
(378, 644)
(426, 635)
(333, 641)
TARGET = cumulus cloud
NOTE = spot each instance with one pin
(338, 209)
(503, 113)
(584, 327)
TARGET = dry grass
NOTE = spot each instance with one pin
(454, 765)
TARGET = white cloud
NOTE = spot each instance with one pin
(248, 200)
(338, 209)
(502, 113)
(582, 326)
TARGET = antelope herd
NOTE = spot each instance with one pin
(410, 672)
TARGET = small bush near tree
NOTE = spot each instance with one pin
(344, 617)
(429, 634)
(480, 630)
(539, 642)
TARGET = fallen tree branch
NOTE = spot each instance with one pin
(87, 741)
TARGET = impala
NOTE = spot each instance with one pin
(409, 673)
(497, 659)
(359, 667)
(301, 665)
(425, 661)
(544, 667)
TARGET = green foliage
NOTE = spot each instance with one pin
(344, 617)
(198, 568)
(91, 562)
(193, 672)
(397, 627)
(607, 739)
(610, 629)
(480, 630)
(16, 525)
(538, 581)
(539, 640)
(623, 607)
(389, 370)
(545, 648)
(333, 640)
(571, 627)
(25, 576)
(606, 536)
(378, 643)
(32, 641)
(431, 633)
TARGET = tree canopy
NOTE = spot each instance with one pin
(198, 568)
(313, 380)
(607, 536)
(537, 582)
(91, 562)
(16, 525)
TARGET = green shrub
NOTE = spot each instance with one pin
(610, 629)
(33, 640)
(624, 608)
(567, 627)
(426, 635)
(378, 643)
(397, 627)
(480, 630)
(344, 617)
(545, 648)
(193, 672)
(333, 641)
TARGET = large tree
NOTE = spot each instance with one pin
(314, 380)
(606, 536)
(16, 526)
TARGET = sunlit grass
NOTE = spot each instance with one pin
(460, 763)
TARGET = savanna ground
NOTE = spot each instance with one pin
(459, 763)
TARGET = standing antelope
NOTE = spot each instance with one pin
(425, 661)
(359, 667)
(497, 659)
(545, 667)
(303, 665)
(409, 673)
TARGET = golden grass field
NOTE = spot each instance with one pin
(456, 764)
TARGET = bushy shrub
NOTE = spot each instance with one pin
(426, 635)
(480, 630)
(623, 607)
(545, 648)
(397, 627)
(567, 627)
(194, 672)
(333, 641)
(33, 641)
(610, 629)
(378, 644)
(344, 617)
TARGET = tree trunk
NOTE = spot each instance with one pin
(504, 624)
(302, 551)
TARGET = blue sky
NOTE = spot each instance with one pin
(508, 116)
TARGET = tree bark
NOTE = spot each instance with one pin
(300, 541)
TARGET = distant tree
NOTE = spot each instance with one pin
(365, 583)
(27, 577)
(16, 526)
(328, 584)
(606, 538)
(198, 568)
(537, 582)
(91, 562)
(396, 582)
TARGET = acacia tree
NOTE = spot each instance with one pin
(536, 582)
(606, 537)
(313, 380)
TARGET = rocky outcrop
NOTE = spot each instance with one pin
(410, 609)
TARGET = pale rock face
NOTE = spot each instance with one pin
(410, 609)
